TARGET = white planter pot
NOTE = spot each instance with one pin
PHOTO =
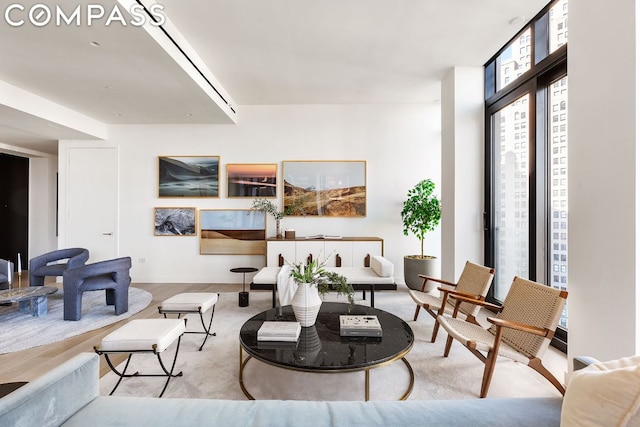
(306, 304)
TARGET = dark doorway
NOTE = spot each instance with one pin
(14, 208)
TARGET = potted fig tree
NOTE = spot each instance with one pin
(421, 213)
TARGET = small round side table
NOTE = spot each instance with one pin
(243, 297)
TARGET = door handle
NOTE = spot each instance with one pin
(107, 234)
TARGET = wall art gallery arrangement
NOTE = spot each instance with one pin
(328, 188)
(175, 221)
(325, 188)
(232, 232)
(188, 176)
(252, 180)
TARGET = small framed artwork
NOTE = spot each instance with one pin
(175, 221)
(326, 188)
(232, 232)
(252, 180)
(188, 176)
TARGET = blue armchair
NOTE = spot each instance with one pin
(40, 266)
(111, 276)
(4, 279)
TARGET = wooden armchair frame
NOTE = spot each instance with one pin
(439, 305)
(499, 325)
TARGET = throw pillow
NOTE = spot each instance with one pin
(603, 394)
(382, 266)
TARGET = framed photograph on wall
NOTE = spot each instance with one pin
(175, 221)
(188, 176)
(252, 180)
(232, 232)
(326, 188)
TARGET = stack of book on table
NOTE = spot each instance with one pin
(366, 325)
(279, 331)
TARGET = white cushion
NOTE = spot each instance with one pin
(382, 266)
(603, 394)
(266, 276)
(190, 302)
(142, 334)
(361, 275)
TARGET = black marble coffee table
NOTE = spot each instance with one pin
(321, 349)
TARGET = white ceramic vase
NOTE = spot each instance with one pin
(306, 304)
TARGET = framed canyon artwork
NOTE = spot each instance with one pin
(326, 188)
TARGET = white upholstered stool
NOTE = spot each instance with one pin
(192, 302)
(143, 335)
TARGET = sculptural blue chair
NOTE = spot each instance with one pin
(4, 279)
(112, 276)
(48, 265)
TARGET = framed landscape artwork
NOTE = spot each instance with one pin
(188, 176)
(252, 180)
(175, 221)
(326, 188)
(232, 232)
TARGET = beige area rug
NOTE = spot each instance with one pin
(213, 373)
(21, 331)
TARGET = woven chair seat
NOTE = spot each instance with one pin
(430, 300)
(479, 338)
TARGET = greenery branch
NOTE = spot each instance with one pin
(266, 205)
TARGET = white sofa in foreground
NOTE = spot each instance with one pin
(378, 276)
(69, 396)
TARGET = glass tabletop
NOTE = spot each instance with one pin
(320, 348)
(19, 294)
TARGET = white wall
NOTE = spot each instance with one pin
(462, 169)
(603, 180)
(401, 144)
(42, 205)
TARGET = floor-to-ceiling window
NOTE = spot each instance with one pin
(526, 86)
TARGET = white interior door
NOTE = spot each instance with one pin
(92, 190)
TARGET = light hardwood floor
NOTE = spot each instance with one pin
(29, 364)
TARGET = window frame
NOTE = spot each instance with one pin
(546, 68)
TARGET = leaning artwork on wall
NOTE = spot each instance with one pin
(232, 232)
(175, 221)
(188, 176)
(252, 180)
(326, 188)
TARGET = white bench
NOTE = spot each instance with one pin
(192, 302)
(379, 276)
(139, 336)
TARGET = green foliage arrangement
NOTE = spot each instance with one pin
(421, 211)
(315, 272)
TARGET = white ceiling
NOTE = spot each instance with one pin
(258, 51)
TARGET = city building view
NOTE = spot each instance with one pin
(512, 127)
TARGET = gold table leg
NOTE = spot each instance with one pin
(366, 384)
